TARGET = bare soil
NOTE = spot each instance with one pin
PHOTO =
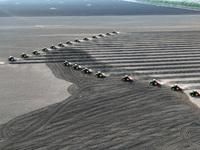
(111, 114)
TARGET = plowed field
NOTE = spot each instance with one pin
(111, 114)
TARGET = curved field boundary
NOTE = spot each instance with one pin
(108, 113)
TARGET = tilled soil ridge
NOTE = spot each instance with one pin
(105, 113)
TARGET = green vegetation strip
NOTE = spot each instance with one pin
(190, 4)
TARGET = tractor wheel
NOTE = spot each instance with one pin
(76, 67)
(151, 83)
(192, 95)
(197, 94)
(83, 71)
(96, 75)
(123, 79)
(177, 89)
(173, 89)
(155, 83)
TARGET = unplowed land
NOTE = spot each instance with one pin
(111, 114)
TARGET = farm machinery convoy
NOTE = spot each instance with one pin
(98, 74)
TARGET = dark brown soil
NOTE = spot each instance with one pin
(108, 113)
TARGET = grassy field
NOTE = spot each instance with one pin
(189, 4)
